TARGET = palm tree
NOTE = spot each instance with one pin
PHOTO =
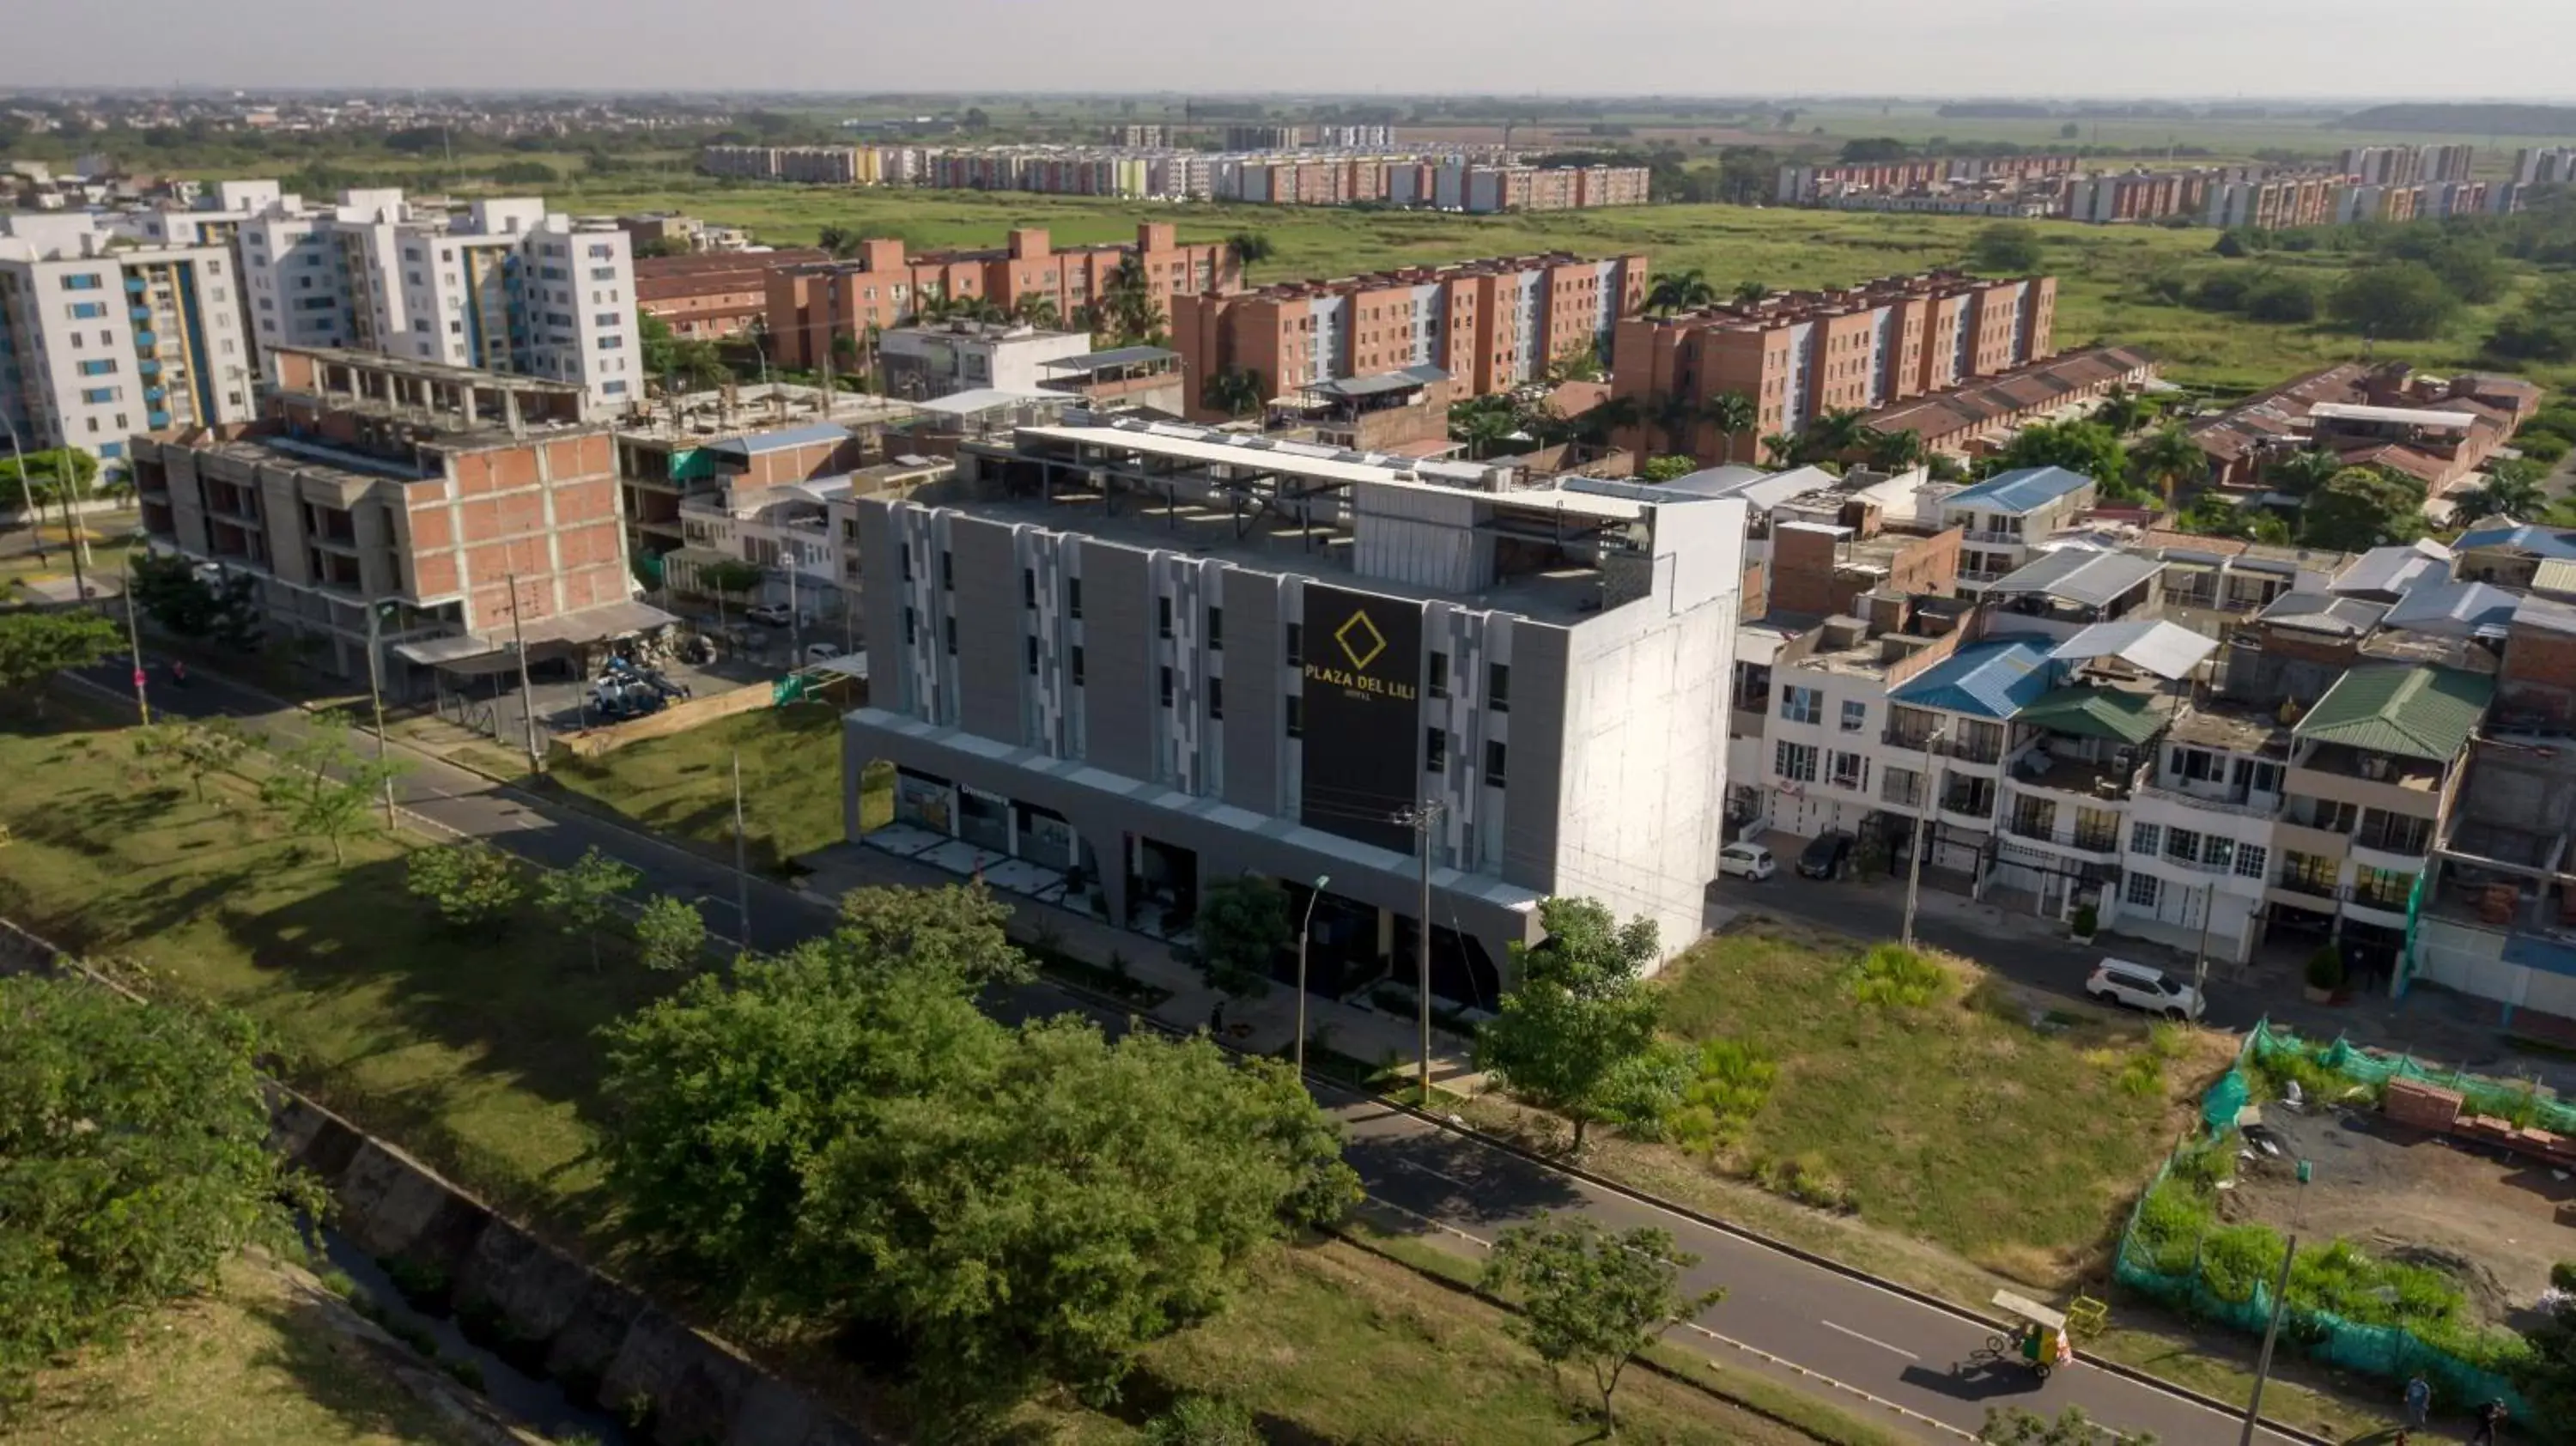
(1750, 293)
(1778, 448)
(1233, 391)
(1249, 247)
(2169, 459)
(1128, 313)
(1606, 421)
(1483, 423)
(1674, 413)
(2124, 411)
(2302, 472)
(1733, 414)
(1895, 451)
(1037, 309)
(1834, 434)
(1679, 291)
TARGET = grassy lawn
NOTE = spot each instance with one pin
(683, 784)
(479, 1058)
(257, 1361)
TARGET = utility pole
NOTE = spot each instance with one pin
(1420, 819)
(527, 694)
(2200, 956)
(1305, 932)
(36, 509)
(741, 874)
(1914, 856)
(133, 639)
(2272, 1331)
(376, 693)
(793, 552)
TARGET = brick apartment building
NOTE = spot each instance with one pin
(472, 502)
(1490, 325)
(714, 295)
(2274, 203)
(812, 303)
(1803, 353)
(1801, 185)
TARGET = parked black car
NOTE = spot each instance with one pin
(1825, 855)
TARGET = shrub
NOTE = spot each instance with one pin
(1731, 1082)
(415, 1335)
(2144, 1075)
(1203, 1421)
(1806, 1179)
(466, 1373)
(1643, 1092)
(2563, 1275)
(2087, 920)
(2237, 1259)
(423, 1284)
(2325, 968)
(1894, 976)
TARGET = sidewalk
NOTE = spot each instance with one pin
(1267, 1025)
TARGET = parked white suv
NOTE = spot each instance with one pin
(1745, 861)
(2117, 981)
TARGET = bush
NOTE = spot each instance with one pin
(1643, 1092)
(1896, 977)
(466, 1373)
(473, 887)
(423, 1284)
(2087, 920)
(1731, 1083)
(1806, 1179)
(2325, 968)
(1203, 1421)
(2279, 298)
(2563, 1275)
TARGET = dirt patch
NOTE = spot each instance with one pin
(2484, 1219)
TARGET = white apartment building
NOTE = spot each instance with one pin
(926, 362)
(2198, 857)
(2009, 515)
(505, 285)
(99, 344)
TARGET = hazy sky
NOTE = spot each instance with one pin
(2366, 49)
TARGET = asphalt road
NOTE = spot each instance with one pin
(1870, 1340)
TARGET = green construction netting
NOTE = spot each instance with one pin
(2479, 1095)
(2190, 1261)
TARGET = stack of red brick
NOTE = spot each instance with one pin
(2426, 1107)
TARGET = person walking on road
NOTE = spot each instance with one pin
(2490, 1416)
(2419, 1400)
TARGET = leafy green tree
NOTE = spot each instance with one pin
(200, 748)
(1250, 248)
(841, 241)
(2169, 459)
(2013, 1426)
(1833, 434)
(1779, 449)
(133, 1161)
(2302, 472)
(2280, 297)
(2123, 411)
(2086, 447)
(1127, 312)
(1591, 1297)
(1749, 293)
(169, 589)
(660, 348)
(953, 932)
(473, 887)
(583, 898)
(324, 787)
(2360, 508)
(1678, 291)
(1665, 469)
(1483, 423)
(1242, 925)
(1733, 414)
(2403, 300)
(1895, 451)
(1234, 391)
(35, 646)
(1578, 1010)
(2513, 488)
(49, 476)
(2010, 246)
(670, 934)
(1036, 308)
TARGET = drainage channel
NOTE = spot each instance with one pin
(538, 1404)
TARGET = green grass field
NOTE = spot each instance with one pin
(683, 784)
(257, 1361)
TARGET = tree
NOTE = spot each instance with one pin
(35, 646)
(1127, 312)
(211, 747)
(1833, 434)
(1577, 1012)
(1733, 414)
(2013, 1426)
(1233, 391)
(176, 595)
(45, 477)
(2231, 243)
(472, 886)
(132, 1161)
(839, 1136)
(2169, 459)
(1242, 925)
(1590, 1297)
(840, 240)
(584, 897)
(1675, 415)
(2086, 447)
(324, 788)
(2302, 472)
(727, 577)
(1249, 247)
(2512, 488)
(2278, 297)
(1778, 449)
(1483, 423)
(670, 934)
(658, 347)
(660, 247)
(2397, 299)
(1896, 451)
(1750, 293)
(2360, 508)
(1678, 291)
(1665, 469)
(2011, 246)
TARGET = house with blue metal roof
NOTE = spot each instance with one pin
(2006, 517)
(1992, 679)
(2508, 553)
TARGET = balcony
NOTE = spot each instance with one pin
(2105, 841)
(1970, 750)
(2234, 800)
(2083, 777)
(1995, 539)
(1911, 740)
(2409, 839)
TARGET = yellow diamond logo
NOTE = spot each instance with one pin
(1361, 641)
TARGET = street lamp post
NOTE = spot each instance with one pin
(1914, 859)
(2280, 1299)
(1305, 932)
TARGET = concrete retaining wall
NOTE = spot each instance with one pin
(596, 1335)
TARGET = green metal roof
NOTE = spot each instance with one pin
(2418, 712)
(2117, 714)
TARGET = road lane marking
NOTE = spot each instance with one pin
(1871, 1340)
(1435, 1174)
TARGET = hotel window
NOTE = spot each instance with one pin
(908, 627)
(1216, 630)
(1162, 617)
(1496, 760)
(1794, 761)
(1073, 597)
(1435, 750)
(1850, 770)
(2145, 838)
(952, 637)
(1074, 663)
(2250, 859)
(947, 569)
(1028, 587)
(1164, 690)
(1498, 687)
(1296, 717)
(1296, 646)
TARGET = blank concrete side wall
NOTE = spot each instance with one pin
(1118, 697)
(1255, 679)
(1535, 738)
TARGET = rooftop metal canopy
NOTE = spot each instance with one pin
(2168, 650)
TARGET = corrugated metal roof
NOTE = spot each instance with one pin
(2168, 650)
(2452, 609)
(2079, 575)
(2546, 615)
(2117, 714)
(2020, 491)
(2555, 574)
(2522, 537)
(1994, 679)
(780, 440)
(1117, 356)
(2418, 712)
(2392, 570)
(2349, 617)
